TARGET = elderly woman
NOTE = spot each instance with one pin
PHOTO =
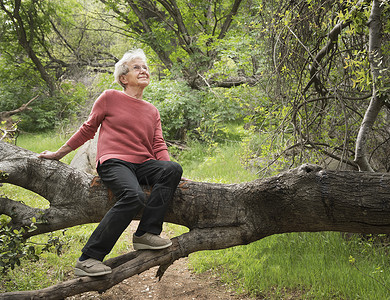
(130, 151)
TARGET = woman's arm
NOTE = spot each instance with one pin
(160, 148)
(86, 131)
(60, 153)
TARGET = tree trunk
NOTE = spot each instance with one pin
(377, 101)
(307, 198)
(27, 35)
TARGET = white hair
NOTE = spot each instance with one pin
(121, 67)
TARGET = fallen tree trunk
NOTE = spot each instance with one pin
(307, 198)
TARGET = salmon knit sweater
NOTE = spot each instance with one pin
(130, 129)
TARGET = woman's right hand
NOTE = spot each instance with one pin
(49, 155)
(60, 153)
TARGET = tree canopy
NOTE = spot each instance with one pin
(304, 63)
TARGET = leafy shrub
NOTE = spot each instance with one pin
(187, 112)
(178, 106)
(13, 246)
(19, 85)
(49, 112)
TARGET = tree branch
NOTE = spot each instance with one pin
(377, 101)
(333, 35)
(307, 198)
(229, 18)
(6, 114)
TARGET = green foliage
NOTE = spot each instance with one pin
(308, 116)
(15, 249)
(189, 37)
(186, 112)
(19, 85)
(61, 109)
(50, 60)
(13, 246)
(179, 107)
(359, 66)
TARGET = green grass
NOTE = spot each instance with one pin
(313, 265)
(221, 164)
(44, 141)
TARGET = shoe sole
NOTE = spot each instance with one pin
(80, 272)
(138, 246)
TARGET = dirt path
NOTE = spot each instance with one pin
(178, 283)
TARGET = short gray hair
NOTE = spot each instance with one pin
(121, 67)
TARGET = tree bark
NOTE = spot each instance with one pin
(307, 198)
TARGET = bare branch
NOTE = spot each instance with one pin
(333, 35)
(377, 101)
(6, 114)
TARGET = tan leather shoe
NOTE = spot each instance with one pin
(91, 267)
(150, 241)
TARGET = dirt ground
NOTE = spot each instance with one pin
(178, 283)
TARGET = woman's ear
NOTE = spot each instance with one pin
(123, 79)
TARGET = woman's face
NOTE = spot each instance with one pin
(138, 75)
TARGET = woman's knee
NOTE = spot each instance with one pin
(177, 167)
(174, 168)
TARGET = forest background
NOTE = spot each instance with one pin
(245, 89)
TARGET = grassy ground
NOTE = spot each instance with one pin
(311, 265)
(305, 265)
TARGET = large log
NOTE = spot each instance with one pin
(307, 198)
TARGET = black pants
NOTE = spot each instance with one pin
(124, 179)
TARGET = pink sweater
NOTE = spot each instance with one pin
(130, 129)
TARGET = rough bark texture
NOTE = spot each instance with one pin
(307, 198)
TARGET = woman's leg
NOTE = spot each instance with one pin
(120, 178)
(163, 176)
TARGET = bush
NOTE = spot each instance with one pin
(187, 112)
(19, 85)
(50, 112)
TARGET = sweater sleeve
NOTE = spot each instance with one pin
(159, 146)
(88, 129)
